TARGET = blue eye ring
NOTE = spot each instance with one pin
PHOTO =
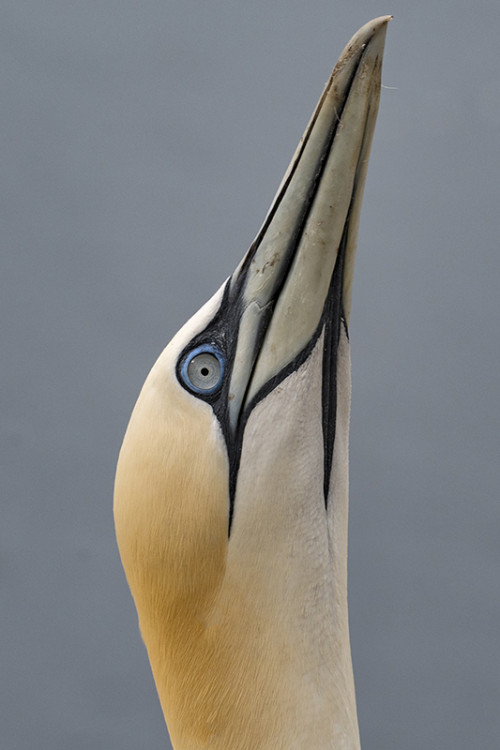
(202, 370)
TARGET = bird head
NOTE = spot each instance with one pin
(231, 487)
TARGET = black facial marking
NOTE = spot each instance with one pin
(222, 331)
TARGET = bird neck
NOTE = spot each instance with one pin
(261, 658)
(249, 674)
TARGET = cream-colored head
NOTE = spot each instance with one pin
(232, 483)
(170, 492)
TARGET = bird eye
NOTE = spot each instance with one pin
(202, 369)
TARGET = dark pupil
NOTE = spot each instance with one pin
(205, 371)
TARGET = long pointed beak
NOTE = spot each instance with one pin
(300, 267)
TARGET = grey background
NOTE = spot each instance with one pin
(141, 144)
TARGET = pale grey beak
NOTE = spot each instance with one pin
(302, 261)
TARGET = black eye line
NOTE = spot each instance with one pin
(216, 335)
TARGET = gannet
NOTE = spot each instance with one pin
(231, 492)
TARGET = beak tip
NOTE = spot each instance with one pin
(374, 28)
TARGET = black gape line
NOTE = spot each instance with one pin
(332, 319)
(222, 331)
